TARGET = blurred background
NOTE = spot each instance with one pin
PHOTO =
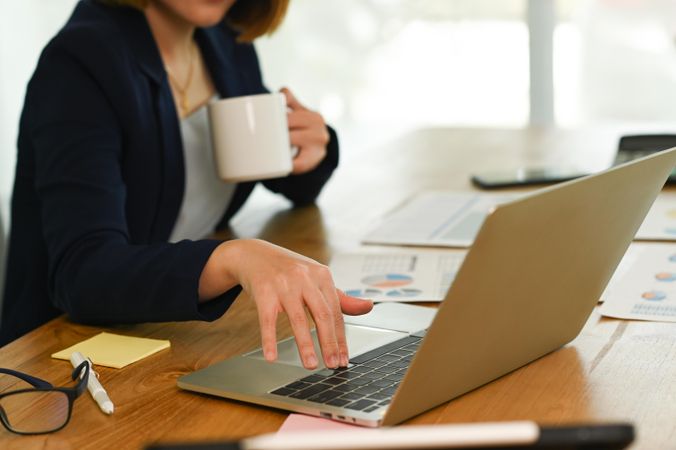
(378, 68)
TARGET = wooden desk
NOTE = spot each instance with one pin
(615, 370)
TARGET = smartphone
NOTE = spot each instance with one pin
(525, 176)
(640, 145)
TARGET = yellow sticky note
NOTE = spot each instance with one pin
(114, 350)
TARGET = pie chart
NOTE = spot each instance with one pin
(654, 295)
(363, 292)
(403, 293)
(388, 280)
(665, 276)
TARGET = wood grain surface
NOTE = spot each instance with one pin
(614, 371)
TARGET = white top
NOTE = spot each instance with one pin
(206, 197)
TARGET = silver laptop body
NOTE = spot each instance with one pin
(526, 287)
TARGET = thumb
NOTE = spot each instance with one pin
(353, 306)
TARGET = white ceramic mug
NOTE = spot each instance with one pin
(250, 137)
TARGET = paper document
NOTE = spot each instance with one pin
(646, 290)
(436, 218)
(660, 223)
(114, 350)
(301, 423)
(628, 260)
(400, 277)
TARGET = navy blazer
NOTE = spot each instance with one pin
(100, 178)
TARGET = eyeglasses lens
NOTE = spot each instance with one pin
(35, 411)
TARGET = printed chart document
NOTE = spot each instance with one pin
(436, 218)
(660, 223)
(628, 260)
(646, 290)
(400, 277)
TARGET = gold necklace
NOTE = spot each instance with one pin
(182, 90)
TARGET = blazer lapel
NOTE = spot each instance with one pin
(218, 52)
(219, 56)
(170, 153)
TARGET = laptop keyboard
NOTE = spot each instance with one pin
(366, 385)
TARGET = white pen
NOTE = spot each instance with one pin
(100, 395)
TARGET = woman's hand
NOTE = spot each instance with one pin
(308, 132)
(279, 280)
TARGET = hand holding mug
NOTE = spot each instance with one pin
(307, 132)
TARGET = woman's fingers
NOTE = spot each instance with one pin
(305, 137)
(304, 118)
(307, 132)
(324, 316)
(330, 294)
(281, 280)
(267, 319)
(296, 314)
(307, 159)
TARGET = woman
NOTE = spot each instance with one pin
(107, 173)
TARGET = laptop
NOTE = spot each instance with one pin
(526, 288)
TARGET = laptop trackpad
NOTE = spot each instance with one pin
(360, 340)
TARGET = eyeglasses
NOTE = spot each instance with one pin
(43, 408)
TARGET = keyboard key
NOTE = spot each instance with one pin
(358, 382)
(390, 390)
(379, 396)
(312, 379)
(386, 370)
(395, 377)
(345, 387)
(283, 391)
(373, 375)
(371, 408)
(312, 390)
(338, 402)
(385, 402)
(381, 383)
(400, 364)
(384, 349)
(360, 369)
(334, 380)
(374, 364)
(298, 385)
(360, 404)
(352, 396)
(387, 358)
(325, 396)
(366, 390)
(347, 376)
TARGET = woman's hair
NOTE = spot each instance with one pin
(252, 18)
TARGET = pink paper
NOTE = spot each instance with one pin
(301, 422)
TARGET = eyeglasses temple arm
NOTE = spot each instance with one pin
(33, 381)
(82, 385)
